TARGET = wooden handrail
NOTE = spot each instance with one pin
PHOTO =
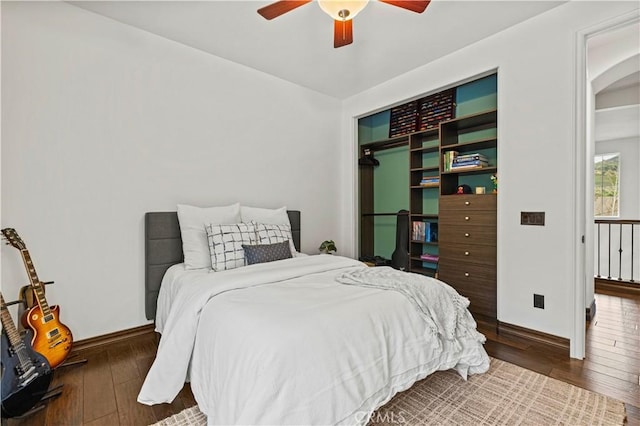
(619, 221)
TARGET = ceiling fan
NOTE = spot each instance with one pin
(342, 13)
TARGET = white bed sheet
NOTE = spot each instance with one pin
(284, 343)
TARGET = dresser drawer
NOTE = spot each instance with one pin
(468, 253)
(467, 234)
(476, 282)
(467, 272)
(474, 217)
(466, 202)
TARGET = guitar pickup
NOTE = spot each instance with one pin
(28, 376)
(57, 343)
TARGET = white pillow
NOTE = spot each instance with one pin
(270, 234)
(194, 237)
(225, 244)
(268, 216)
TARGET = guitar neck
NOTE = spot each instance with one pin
(8, 325)
(27, 371)
(36, 285)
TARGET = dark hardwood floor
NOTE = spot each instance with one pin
(104, 391)
(612, 363)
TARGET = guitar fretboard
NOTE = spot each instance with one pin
(36, 285)
(8, 325)
(14, 336)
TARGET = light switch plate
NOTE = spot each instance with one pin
(532, 218)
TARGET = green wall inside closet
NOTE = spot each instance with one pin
(391, 177)
(390, 194)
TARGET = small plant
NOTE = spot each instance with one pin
(328, 247)
(494, 180)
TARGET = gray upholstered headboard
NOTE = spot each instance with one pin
(163, 248)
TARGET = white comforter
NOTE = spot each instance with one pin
(286, 343)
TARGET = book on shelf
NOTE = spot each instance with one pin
(430, 181)
(470, 157)
(469, 165)
(431, 232)
(467, 162)
(424, 231)
(449, 156)
(418, 229)
(430, 257)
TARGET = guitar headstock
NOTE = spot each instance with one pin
(13, 238)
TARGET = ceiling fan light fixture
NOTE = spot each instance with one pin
(342, 10)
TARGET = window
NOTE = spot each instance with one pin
(607, 185)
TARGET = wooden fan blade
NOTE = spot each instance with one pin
(342, 33)
(278, 8)
(412, 5)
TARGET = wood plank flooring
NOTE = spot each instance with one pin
(104, 390)
(612, 363)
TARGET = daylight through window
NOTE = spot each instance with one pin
(607, 185)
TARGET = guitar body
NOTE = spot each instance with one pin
(20, 391)
(51, 338)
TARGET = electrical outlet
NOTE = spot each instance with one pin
(538, 301)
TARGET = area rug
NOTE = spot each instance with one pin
(506, 395)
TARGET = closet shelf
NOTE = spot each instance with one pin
(385, 214)
(426, 169)
(478, 144)
(479, 170)
(425, 149)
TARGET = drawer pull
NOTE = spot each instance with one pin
(466, 235)
(466, 253)
(467, 203)
(466, 274)
(466, 218)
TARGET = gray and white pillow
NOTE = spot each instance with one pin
(225, 244)
(262, 253)
(270, 234)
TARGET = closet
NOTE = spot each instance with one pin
(437, 158)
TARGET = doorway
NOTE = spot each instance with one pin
(606, 54)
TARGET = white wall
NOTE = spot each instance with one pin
(618, 97)
(536, 84)
(103, 122)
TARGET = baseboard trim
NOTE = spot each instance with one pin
(534, 336)
(111, 338)
(591, 311)
(622, 288)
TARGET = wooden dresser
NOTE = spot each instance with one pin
(467, 227)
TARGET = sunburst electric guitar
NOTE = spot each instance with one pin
(25, 373)
(51, 338)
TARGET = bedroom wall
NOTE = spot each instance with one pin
(103, 122)
(536, 83)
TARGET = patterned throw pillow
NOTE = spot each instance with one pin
(270, 234)
(225, 244)
(261, 253)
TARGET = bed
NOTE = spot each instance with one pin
(307, 340)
